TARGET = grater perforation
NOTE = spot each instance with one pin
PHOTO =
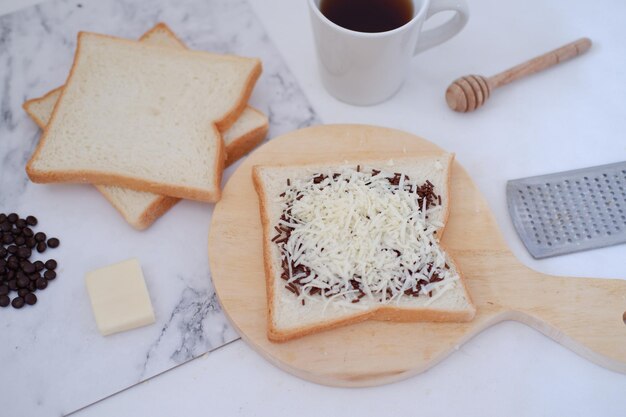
(570, 211)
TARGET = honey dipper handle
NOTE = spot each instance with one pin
(541, 62)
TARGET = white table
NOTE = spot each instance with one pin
(566, 118)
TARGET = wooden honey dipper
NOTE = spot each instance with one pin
(470, 92)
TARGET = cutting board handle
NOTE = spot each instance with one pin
(586, 315)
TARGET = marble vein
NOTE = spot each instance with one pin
(56, 344)
(186, 330)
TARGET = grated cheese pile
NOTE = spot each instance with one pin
(348, 235)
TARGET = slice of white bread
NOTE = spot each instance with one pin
(245, 134)
(140, 209)
(288, 318)
(144, 117)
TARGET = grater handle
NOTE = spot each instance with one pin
(586, 315)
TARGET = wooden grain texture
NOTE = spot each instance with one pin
(470, 92)
(584, 314)
(540, 63)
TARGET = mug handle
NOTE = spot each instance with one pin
(440, 34)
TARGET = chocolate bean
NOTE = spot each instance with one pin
(30, 298)
(41, 247)
(17, 272)
(4, 300)
(13, 264)
(24, 253)
(18, 302)
(41, 283)
(28, 268)
(22, 280)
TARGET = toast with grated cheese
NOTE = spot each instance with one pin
(140, 209)
(349, 242)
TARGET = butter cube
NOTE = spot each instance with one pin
(119, 297)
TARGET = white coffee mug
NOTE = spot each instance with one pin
(367, 68)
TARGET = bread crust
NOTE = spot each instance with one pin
(106, 178)
(165, 28)
(155, 210)
(447, 212)
(162, 204)
(27, 106)
(382, 313)
(267, 264)
(245, 143)
(226, 122)
(232, 116)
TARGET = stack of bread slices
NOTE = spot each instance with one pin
(148, 122)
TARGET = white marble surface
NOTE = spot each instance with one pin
(566, 118)
(52, 358)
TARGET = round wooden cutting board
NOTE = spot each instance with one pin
(584, 314)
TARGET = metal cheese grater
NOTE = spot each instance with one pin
(570, 211)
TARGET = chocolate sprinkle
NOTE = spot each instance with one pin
(426, 198)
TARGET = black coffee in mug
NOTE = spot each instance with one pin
(368, 15)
